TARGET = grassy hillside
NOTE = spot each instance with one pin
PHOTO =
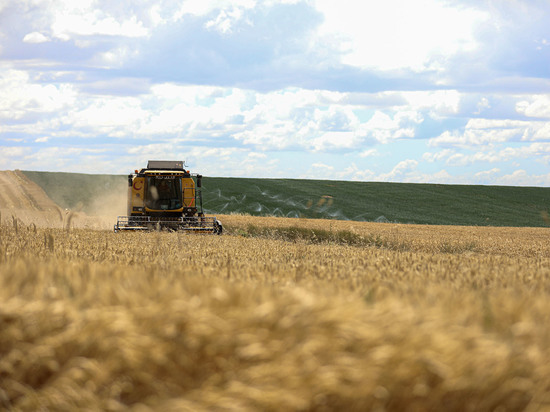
(377, 201)
(362, 201)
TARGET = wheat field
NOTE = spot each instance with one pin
(275, 315)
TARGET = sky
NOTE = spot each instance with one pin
(423, 91)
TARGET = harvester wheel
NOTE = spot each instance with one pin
(218, 228)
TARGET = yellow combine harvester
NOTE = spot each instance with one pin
(166, 196)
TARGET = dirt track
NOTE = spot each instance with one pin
(18, 192)
(24, 200)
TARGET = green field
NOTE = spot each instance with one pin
(362, 201)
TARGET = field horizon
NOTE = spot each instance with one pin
(410, 203)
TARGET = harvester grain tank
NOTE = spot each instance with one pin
(166, 196)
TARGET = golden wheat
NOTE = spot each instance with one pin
(445, 318)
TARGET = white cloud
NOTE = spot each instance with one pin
(188, 110)
(441, 176)
(474, 137)
(353, 172)
(281, 119)
(86, 20)
(522, 178)
(496, 124)
(334, 141)
(228, 12)
(256, 155)
(35, 37)
(114, 58)
(488, 132)
(14, 157)
(540, 131)
(415, 176)
(290, 119)
(538, 151)
(381, 121)
(369, 153)
(537, 106)
(482, 105)
(230, 162)
(225, 20)
(231, 128)
(400, 170)
(487, 174)
(62, 158)
(438, 104)
(335, 118)
(171, 93)
(460, 159)
(396, 34)
(115, 116)
(313, 119)
(322, 166)
(19, 97)
(405, 171)
(382, 127)
(437, 156)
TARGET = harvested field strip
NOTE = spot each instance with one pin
(8, 195)
(274, 321)
(3, 198)
(18, 192)
(23, 186)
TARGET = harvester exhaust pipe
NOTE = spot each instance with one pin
(199, 185)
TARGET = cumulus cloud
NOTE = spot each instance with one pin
(21, 99)
(489, 132)
(433, 31)
(369, 153)
(14, 157)
(35, 37)
(432, 157)
(476, 137)
(403, 91)
(322, 166)
(537, 106)
(353, 172)
(483, 175)
(522, 178)
(400, 170)
(540, 152)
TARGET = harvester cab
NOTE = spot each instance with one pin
(166, 196)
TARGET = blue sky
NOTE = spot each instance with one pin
(404, 91)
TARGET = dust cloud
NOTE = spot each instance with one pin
(23, 202)
(104, 208)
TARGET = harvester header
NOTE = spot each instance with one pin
(166, 196)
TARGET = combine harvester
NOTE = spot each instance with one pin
(166, 196)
